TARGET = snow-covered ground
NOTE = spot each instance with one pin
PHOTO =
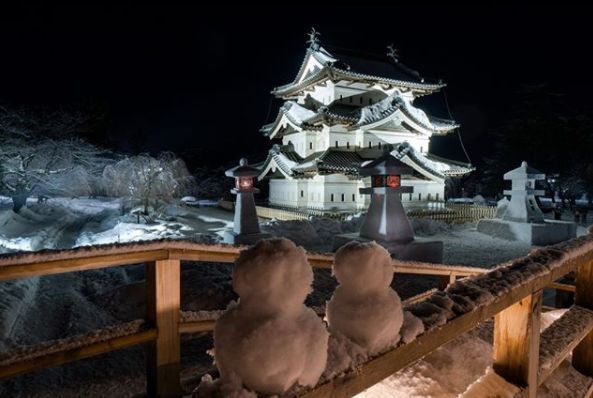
(37, 309)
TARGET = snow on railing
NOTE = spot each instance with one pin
(511, 293)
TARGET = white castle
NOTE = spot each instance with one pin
(342, 110)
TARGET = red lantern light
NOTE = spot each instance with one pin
(392, 181)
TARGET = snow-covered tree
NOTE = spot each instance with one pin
(48, 166)
(148, 181)
(41, 154)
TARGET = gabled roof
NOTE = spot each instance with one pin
(348, 65)
(431, 166)
(312, 115)
(348, 162)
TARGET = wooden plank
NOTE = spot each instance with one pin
(208, 325)
(196, 326)
(162, 309)
(79, 264)
(582, 355)
(66, 356)
(562, 286)
(573, 326)
(516, 342)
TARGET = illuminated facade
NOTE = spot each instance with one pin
(341, 111)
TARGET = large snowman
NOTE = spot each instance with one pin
(270, 341)
(364, 308)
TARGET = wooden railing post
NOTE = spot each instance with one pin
(445, 280)
(516, 342)
(582, 355)
(162, 309)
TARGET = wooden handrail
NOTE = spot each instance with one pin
(516, 359)
(48, 262)
(163, 259)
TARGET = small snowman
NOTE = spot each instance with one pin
(270, 341)
(364, 308)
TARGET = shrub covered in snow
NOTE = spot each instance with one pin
(269, 341)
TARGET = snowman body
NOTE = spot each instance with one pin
(364, 307)
(270, 340)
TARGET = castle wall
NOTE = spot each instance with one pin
(338, 192)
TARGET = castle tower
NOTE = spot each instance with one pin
(341, 110)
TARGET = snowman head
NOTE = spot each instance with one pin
(273, 276)
(363, 267)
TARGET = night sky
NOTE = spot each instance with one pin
(196, 79)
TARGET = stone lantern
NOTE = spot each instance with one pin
(523, 207)
(246, 225)
(386, 221)
(521, 218)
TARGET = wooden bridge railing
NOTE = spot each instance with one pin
(163, 324)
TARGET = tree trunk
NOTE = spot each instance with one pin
(18, 202)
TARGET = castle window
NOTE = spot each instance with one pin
(410, 197)
(419, 196)
(354, 197)
(310, 145)
(341, 97)
(348, 145)
(331, 197)
(379, 145)
(370, 101)
(302, 193)
(370, 144)
(336, 144)
(360, 100)
(350, 99)
(342, 197)
(421, 149)
(437, 196)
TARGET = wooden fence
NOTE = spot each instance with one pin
(450, 213)
(516, 350)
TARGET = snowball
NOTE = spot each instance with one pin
(363, 307)
(269, 340)
(273, 276)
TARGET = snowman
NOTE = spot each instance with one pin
(270, 341)
(364, 308)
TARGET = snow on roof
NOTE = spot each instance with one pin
(524, 171)
(387, 107)
(347, 64)
(429, 164)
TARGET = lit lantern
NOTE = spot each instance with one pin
(386, 220)
(243, 183)
(246, 226)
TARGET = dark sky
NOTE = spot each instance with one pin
(196, 79)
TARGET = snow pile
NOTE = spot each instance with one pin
(300, 232)
(428, 227)
(269, 341)
(489, 384)
(462, 368)
(363, 307)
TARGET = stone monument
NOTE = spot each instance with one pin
(521, 218)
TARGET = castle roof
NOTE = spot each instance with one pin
(349, 162)
(293, 116)
(341, 64)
